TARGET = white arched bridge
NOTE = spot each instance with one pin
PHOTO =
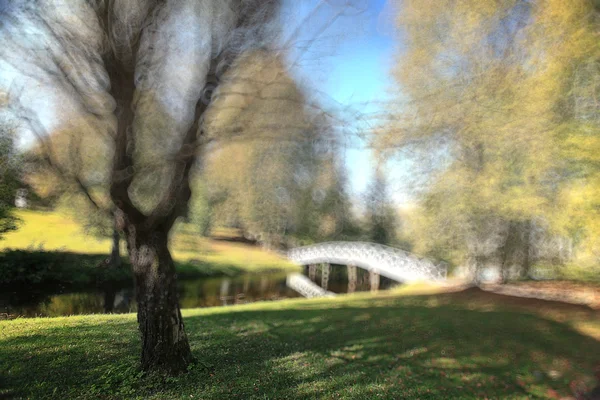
(395, 264)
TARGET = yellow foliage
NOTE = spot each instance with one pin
(507, 91)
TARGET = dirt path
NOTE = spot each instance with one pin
(559, 291)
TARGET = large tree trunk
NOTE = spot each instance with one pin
(164, 342)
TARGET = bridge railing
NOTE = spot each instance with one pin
(389, 261)
(367, 244)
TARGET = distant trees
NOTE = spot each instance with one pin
(381, 217)
(499, 99)
(10, 177)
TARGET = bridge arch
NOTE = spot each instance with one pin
(390, 262)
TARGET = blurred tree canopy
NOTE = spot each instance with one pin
(10, 177)
(69, 168)
(275, 170)
(499, 103)
(380, 217)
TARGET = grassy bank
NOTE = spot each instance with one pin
(194, 255)
(467, 345)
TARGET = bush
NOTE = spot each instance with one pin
(24, 268)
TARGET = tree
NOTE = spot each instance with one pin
(251, 181)
(142, 74)
(200, 209)
(578, 132)
(70, 167)
(335, 208)
(380, 214)
(10, 178)
(286, 190)
(483, 85)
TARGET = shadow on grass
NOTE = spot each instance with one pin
(410, 347)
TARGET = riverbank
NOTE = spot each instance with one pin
(50, 247)
(585, 293)
(401, 344)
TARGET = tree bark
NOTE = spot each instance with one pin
(115, 254)
(165, 345)
(109, 300)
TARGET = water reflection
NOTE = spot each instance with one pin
(227, 291)
(208, 292)
(342, 279)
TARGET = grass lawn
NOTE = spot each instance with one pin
(465, 345)
(56, 231)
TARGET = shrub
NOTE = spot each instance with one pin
(21, 267)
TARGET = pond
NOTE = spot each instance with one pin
(206, 292)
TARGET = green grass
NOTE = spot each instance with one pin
(56, 231)
(468, 345)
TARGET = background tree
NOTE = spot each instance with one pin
(10, 177)
(200, 210)
(484, 86)
(69, 168)
(577, 111)
(273, 172)
(381, 217)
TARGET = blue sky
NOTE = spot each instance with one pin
(350, 62)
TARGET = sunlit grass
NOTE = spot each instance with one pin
(468, 345)
(57, 231)
(52, 231)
